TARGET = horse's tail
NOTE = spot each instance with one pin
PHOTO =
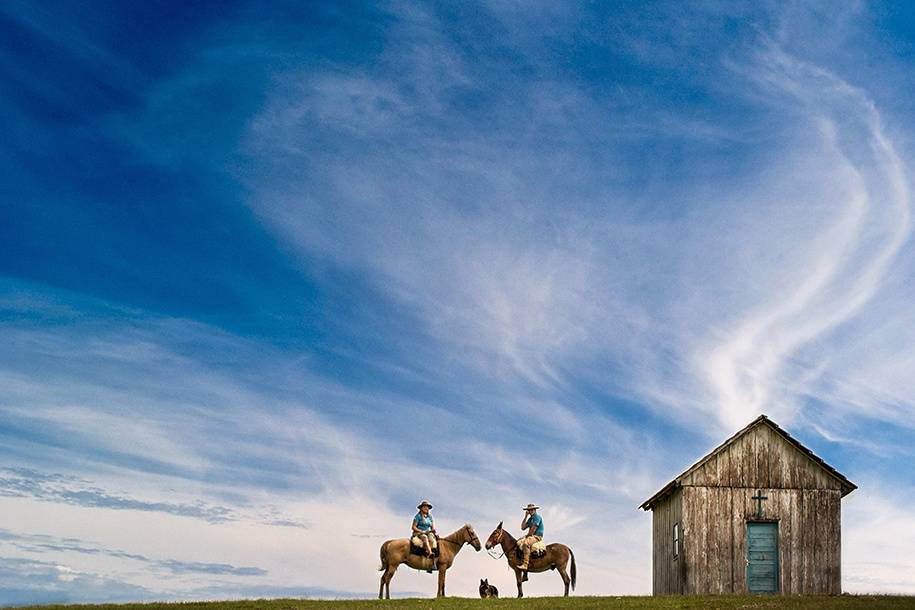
(384, 557)
(573, 572)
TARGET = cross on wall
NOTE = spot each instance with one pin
(759, 500)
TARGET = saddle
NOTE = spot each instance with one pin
(538, 550)
(421, 551)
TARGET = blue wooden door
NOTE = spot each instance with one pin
(762, 557)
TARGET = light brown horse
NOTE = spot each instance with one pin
(396, 552)
(556, 558)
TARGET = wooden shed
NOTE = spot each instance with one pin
(759, 514)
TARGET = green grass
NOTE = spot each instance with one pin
(844, 602)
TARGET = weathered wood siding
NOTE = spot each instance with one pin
(715, 536)
(713, 503)
(667, 571)
(761, 458)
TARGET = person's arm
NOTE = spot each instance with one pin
(524, 521)
(532, 525)
(433, 529)
(416, 529)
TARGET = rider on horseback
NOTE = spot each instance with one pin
(533, 523)
(424, 528)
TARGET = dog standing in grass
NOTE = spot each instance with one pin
(488, 590)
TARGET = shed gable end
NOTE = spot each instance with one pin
(763, 458)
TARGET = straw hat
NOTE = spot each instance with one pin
(424, 503)
(531, 506)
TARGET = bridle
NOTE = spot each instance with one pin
(475, 537)
(492, 552)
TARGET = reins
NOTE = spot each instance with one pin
(492, 552)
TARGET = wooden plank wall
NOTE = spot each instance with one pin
(714, 504)
(666, 571)
(714, 539)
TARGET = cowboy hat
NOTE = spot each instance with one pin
(424, 503)
(530, 506)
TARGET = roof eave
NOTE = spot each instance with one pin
(651, 502)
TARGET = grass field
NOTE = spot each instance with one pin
(845, 602)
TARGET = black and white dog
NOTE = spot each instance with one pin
(488, 590)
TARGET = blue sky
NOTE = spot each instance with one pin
(271, 274)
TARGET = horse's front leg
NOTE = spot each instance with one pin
(518, 578)
(441, 582)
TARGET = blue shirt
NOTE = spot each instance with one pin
(536, 521)
(423, 523)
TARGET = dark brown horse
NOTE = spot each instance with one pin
(396, 552)
(556, 558)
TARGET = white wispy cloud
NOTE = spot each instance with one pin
(750, 368)
(238, 466)
(505, 266)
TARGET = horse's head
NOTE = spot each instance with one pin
(495, 537)
(472, 537)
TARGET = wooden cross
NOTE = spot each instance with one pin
(759, 498)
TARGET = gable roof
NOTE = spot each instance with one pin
(846, 485)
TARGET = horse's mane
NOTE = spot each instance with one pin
(450, 537)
